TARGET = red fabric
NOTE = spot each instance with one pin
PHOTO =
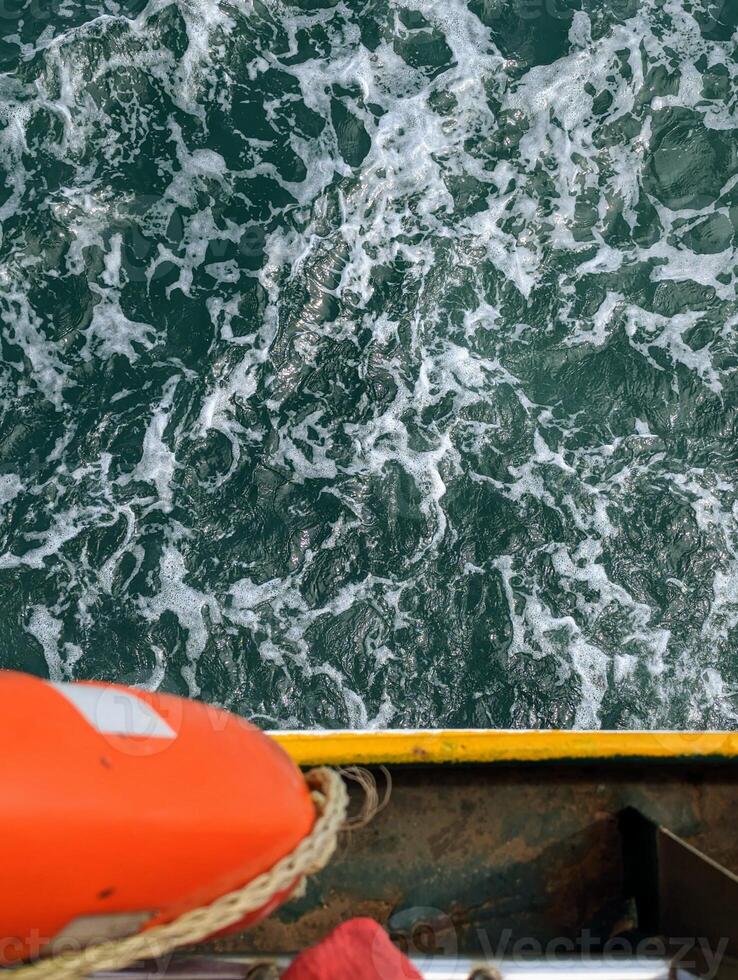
(357, 950)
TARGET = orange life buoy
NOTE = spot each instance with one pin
(121, 809)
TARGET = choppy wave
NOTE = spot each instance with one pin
(370, 363)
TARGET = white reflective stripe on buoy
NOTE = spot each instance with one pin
(115, 712)
(89, 930)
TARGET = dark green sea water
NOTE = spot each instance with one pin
(374, 363)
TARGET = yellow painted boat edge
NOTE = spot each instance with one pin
(335, 748)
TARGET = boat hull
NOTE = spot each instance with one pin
(517, 854)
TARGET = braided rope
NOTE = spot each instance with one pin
(311, 855)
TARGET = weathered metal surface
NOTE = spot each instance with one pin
(457, 745)
(504, 860)
(678, 890)
(696, 896)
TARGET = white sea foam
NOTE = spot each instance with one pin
(508, 205)
(47, 630)
(10, 486)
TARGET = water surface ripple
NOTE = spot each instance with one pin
(374, 363)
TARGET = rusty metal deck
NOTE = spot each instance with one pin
(502, 860)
